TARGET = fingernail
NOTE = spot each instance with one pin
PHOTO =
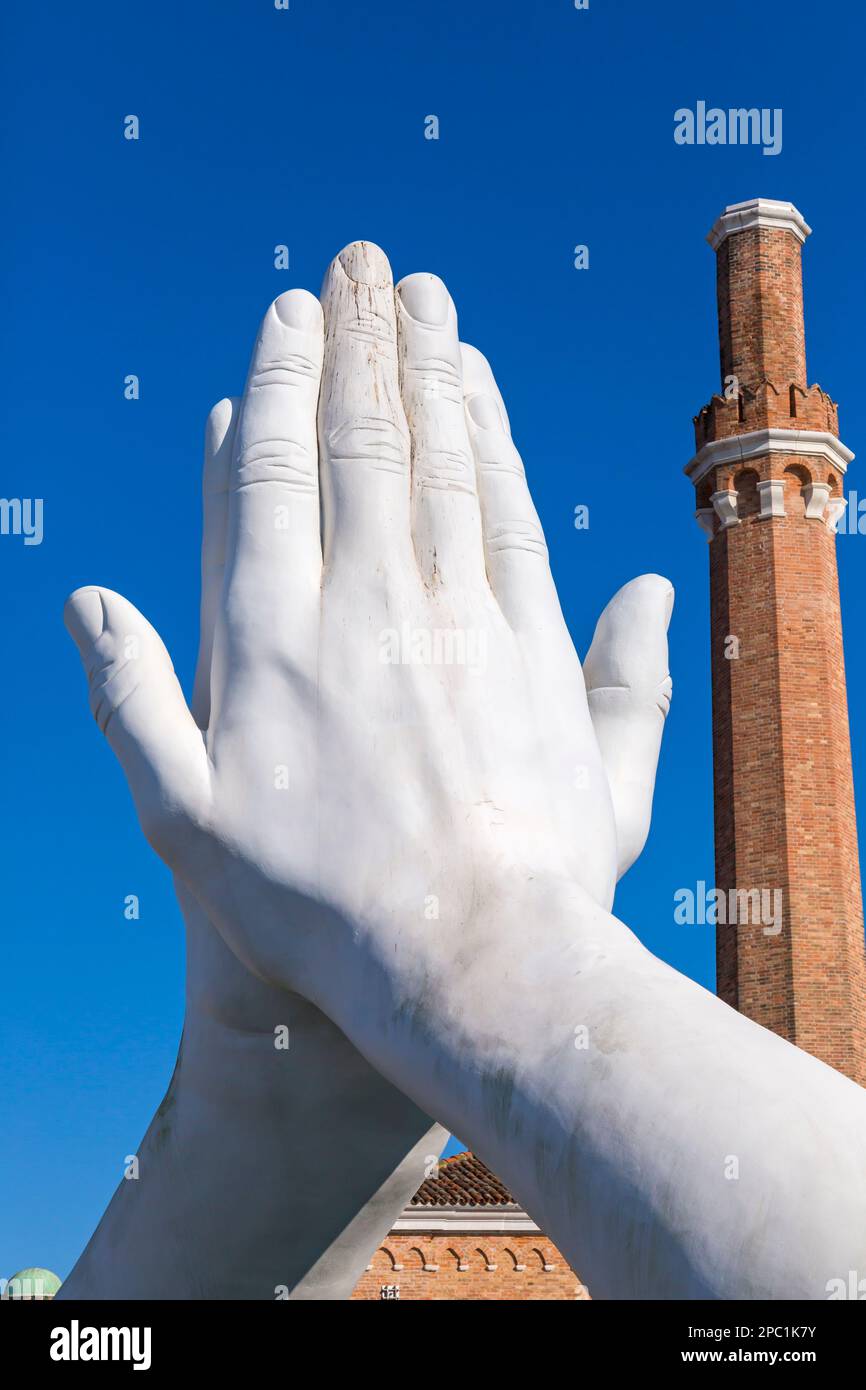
(298, 309)
(366, 264)
(425, 298)
(485, 412)
(84, 617)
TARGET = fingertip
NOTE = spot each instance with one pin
(629, 647)
(425, 299)
(478, 379)
(653, 590)
(84, 616)
(298, 309)
(366, 264)
(477, 372)
(219, 423)
(642, 598)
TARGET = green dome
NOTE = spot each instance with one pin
(32, 1283)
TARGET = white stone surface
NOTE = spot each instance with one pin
(758, 212)
(835, 510)
(706, 519)
(725, 504)
(772, 495)
(815, 497)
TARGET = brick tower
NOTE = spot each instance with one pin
(768, 479)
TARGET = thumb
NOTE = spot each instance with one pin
(138, 704)
(629, 691)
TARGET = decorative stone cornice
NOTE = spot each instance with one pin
(758, 212)
(808, 443)
(482, 1220)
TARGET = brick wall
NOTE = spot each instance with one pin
(437, 1266)
(760, 296)
(784, 795)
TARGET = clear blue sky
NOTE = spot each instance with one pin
(305, 127)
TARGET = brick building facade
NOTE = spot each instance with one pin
(463, 1236)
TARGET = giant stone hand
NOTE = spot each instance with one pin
(398, 727)
(389, 733)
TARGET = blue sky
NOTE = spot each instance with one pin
(155, 257)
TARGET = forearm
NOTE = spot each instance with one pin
(671, 1147)
(252, 1183)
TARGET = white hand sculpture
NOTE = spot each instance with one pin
(309, 1159)
(436, 876)
(402, 718)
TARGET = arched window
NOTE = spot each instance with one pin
(748, 498)
(542, 1258)
(797, 478)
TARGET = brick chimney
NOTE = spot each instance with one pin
(768, 480)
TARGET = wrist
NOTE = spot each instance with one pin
(486, 998)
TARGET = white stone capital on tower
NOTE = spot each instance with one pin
(834, 512)
(816, 497)
(725, 503)
(739, 447)
(706, 519)
(772, 495)
(758, 212)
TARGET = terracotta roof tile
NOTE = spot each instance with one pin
(463, 1181)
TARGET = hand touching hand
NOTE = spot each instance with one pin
(398, 725)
